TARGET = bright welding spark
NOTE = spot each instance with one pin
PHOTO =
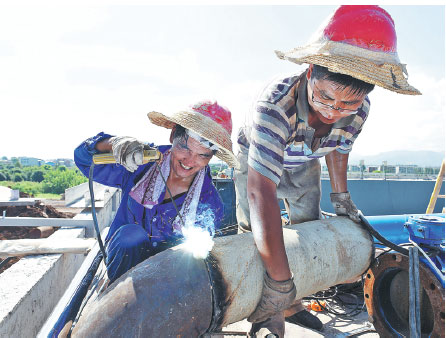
(198, 241)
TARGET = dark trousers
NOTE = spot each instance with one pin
(128, 246)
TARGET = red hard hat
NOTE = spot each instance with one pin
(369, 27)
(214, 111)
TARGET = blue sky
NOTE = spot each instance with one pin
(69, 72)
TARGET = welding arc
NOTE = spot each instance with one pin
(378, 236)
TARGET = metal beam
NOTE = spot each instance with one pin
(37, 222)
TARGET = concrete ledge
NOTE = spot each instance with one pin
(31, 288)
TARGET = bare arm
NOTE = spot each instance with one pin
(337, 169)
(266, 225)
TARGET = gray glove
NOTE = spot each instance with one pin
(272, 327)
(127, 151)
(344, 206)
(276, 297)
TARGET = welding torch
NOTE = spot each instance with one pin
(149, 155)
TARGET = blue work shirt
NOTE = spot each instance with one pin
(157, 221)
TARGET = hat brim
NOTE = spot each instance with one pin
(203, 126)
(386, 75)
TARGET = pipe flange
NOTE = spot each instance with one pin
(385, 291)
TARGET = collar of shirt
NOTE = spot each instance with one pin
(303, 109)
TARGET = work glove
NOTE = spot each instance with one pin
(127, 151)
(272, 327)
(276, 297)
(344, 206)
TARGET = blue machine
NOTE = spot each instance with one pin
(394, 304)
(428, 232)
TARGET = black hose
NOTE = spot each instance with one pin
(93, 212)
(5, 261)
(378, 236)
(72, 308)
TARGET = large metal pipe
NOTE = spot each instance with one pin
(174, 294)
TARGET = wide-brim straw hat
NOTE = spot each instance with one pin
(359, 41)
(207, 119)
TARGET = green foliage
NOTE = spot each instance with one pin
(56, 181)
(37, 176)
(35, 180)
(17, 163)
(17, 178)
(7, 175)
(48, 196)
(32, 188)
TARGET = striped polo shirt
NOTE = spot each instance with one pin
(279, 135)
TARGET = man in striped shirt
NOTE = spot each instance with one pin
(297, 120)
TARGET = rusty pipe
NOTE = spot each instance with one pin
(174, 294)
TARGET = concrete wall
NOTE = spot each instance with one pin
(390, 197)
(31, 288)
(373, 197)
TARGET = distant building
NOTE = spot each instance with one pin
(63, 161)
(390, 169)
(354, 168)
(406, 169)
(30, 161)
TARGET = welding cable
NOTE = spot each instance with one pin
(93, 212)
(5, 261)
(378, 236)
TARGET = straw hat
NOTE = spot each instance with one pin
(359, 41)
(207, 119)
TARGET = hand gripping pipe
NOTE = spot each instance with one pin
(173, 294)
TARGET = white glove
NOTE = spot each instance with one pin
(127, 151)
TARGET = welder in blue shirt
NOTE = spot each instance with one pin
(159, 200)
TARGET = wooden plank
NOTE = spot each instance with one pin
(23, 247)
(36, 222)
(434, 196)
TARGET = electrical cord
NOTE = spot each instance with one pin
(378, 236)
(93, 212)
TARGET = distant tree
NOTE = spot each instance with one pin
(37, 176)
(56, 181)
(47, 167)
(62, 168)
(2, 177)
(17, 178)
(7, 175)
(17, 163)
(16, 171)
